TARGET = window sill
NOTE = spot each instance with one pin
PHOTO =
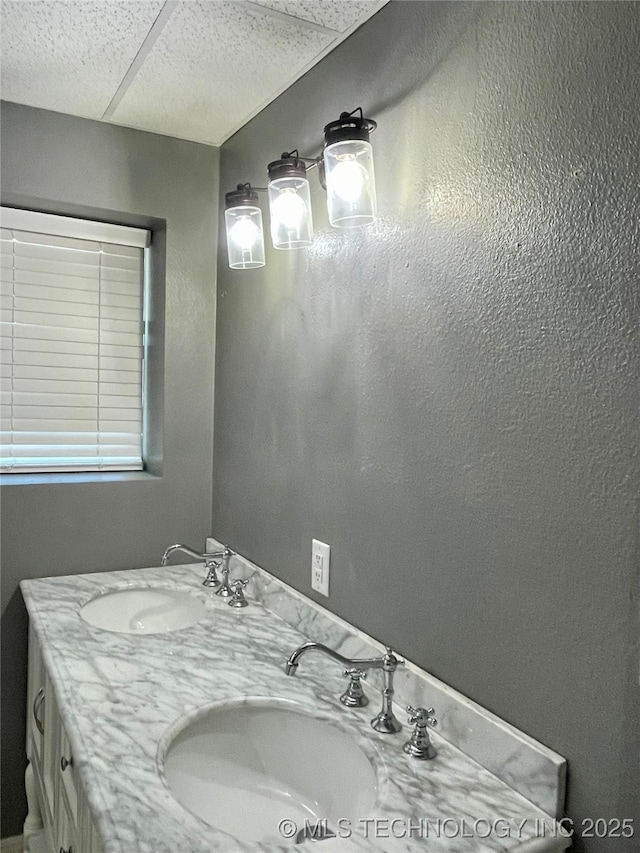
(69, 478)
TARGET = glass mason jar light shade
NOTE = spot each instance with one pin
(245, 241)
(290, 212)
(351, 188)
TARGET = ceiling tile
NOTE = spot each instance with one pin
(70, 56)
(337, 15)
(213, 66)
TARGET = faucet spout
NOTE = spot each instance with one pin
(212, 560)
(360, 663)
(207, 555)
(385, 722)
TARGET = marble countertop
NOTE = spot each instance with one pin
(121, 695)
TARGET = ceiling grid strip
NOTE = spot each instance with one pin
(146, 46)
(285, 16)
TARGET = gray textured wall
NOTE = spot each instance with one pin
(64, 164)
(449, 398)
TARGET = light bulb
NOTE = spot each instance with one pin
(289, 210)
(244, 233)
(348, 180)
(289, 203)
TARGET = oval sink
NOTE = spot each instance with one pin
(143, 610)
(244, 768)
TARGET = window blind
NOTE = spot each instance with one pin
(71, 338)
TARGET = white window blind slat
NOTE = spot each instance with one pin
(55, 451)
(112, 313)
(115, 363)
(118, 339)
(67, 321)
(111, 426)
(115, 276)
(121, 377)
(71, 342)
(76, 308)
(46, 438)
(52, 424)
(122, 288)
(51, 279)
(59, 413)
(48, 367)
(60, 338)
(128, 352)
(54, 387)
(120, 389)
(62, 295)
(31, 350)
(120, 300)
(126, 326)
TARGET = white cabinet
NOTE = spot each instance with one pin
(58, 820)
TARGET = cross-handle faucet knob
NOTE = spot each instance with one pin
(422, 716)
(212, 579)
(354, 696)
(238, 599)
(419, 746)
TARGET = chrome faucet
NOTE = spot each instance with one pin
(419, 746)
(212, 561)
(385, 722)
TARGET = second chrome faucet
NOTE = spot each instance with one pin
(215, 560)
(385, 722)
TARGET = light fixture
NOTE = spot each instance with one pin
(243, 222)
(346, 172)
(348, 169)
(289, 202)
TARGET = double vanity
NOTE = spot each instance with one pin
(164, 720)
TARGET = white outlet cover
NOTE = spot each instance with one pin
(320, 564)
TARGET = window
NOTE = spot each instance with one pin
(72, 354)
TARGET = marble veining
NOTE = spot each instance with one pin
(122, 697)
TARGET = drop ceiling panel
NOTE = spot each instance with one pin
(212, 66)
(337, 15)
(70, 56)
(194, 69)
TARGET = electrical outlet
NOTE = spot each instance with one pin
(320, 560)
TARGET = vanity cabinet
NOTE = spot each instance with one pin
(58, 820)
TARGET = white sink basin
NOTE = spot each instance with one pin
(143, 610)
(244, 768)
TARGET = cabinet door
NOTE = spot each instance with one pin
(67, 775)
(65, 827)
(35, 702)
(51, 747)
(62, 803)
